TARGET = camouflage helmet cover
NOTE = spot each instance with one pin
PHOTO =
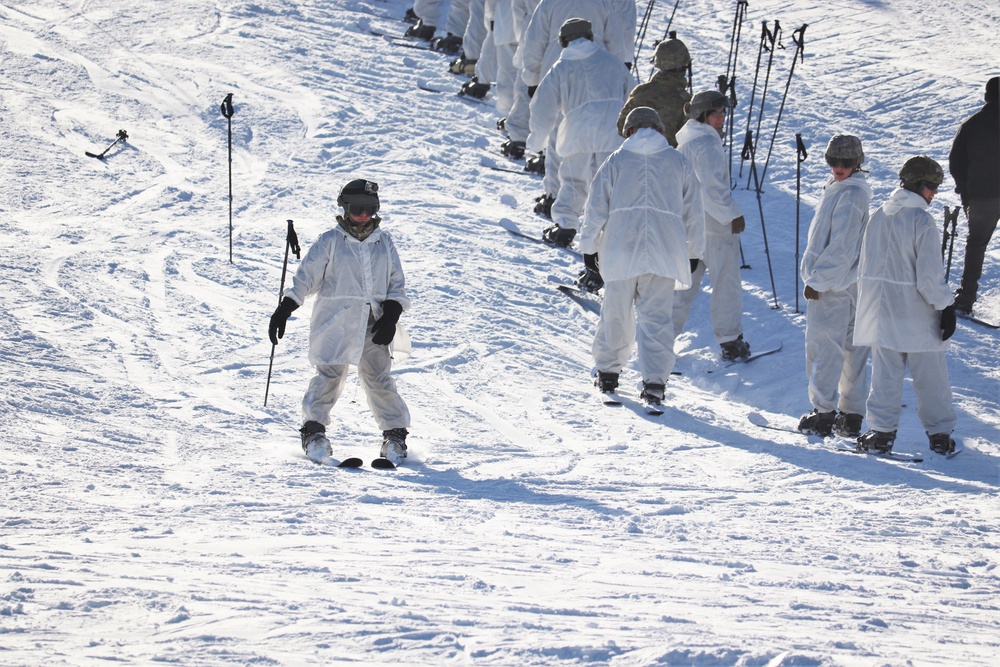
(704, 101)
(921, 169)
(671, 54)
(642, 117)
(845, 147)
(575, 28)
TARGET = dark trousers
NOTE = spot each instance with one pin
(983, 216)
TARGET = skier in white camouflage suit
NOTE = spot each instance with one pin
(837, 370)
(643, 220)
(577, 103)
(700, 141)
(906, 311)
(355, 273)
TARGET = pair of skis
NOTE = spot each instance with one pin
(760, 420)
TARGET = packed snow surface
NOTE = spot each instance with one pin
(155, 511)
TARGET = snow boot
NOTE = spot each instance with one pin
(450, 44)
(544, 206)
(461, 65)
(735, 350)
(420, 30)
(652, 397)
(536, 164)
(819, 423)
(848, 425)
(941, 443)
(473, 88)
(561, 237)
(394, 445)
(512, 149)
(314, 442)
(879, 442)
(607, 383)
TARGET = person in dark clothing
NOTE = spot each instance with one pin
(974, 163)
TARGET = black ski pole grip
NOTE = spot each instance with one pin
(800, 148)
(227, 106)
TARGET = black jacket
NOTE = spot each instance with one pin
(974, 161)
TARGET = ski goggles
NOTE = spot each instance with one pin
(933, 187)
(361, 209)
(842, 162)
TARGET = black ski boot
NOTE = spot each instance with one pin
(848, 425)
(473, 88)
(512, 149)
(420, 30)
(735, 350)
(652, 397)
(394, 445)
(411, 16)
(941, 443)
(314, 441)
(544, 206)
(450, 44)
(879, 442)
(561, 237)
(819, 423)
(536, 164)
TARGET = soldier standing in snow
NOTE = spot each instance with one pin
(643, 220)
(829, 271)
(577, 103)
(700, 141)
(974, 163)
(355, 272)
(666, 91)
(906, 312)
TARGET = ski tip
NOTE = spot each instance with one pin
(383, 464)
(352, 462)
(758, 419)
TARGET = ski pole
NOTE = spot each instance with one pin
(773, 39)
(949, 237)
(727, 83)
(122, 137)
(291, 243)
(801, 156)
(641, 37)
(753, 94)
(227, 112)
(799, 37)
(763, 227)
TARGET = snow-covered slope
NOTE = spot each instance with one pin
(155, 511)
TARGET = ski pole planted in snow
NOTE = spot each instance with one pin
(802, 155)
(227, 112)
(122, 137)
(291, 243)
(948, 238)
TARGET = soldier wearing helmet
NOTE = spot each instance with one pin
(906, 312)
(355, 272)
(666, 91)
(836, 368)
(700, 141)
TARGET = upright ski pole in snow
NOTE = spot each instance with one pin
(948, 238)
(641, 37)
(799, 37)
(291, 243)
(227, 112)
(122, 137)
(727, 83)
(800, 149)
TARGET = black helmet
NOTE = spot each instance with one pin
(359, 196)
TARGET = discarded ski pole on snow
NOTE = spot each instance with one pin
(227, 112)
(948, 238)
(122, 137)
(801, 156)
(291, 243)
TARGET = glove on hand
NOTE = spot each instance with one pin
(384, 328)
(276, 327)
(694, 264)
(590, 261)
(948, 322)
(738, 225)
(810, 294)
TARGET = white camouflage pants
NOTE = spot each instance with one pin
(722, 262)
(458, 17)
(929, 371)
(637, 309)
(429, 11)
(507, 77)
(575, 175)
(374, 372)
(833, 364)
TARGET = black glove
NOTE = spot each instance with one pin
(948, 322)
(531, 90)
(385, 327)
(590, 261)
(694, 264)
(276, 327)
(628, 66)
